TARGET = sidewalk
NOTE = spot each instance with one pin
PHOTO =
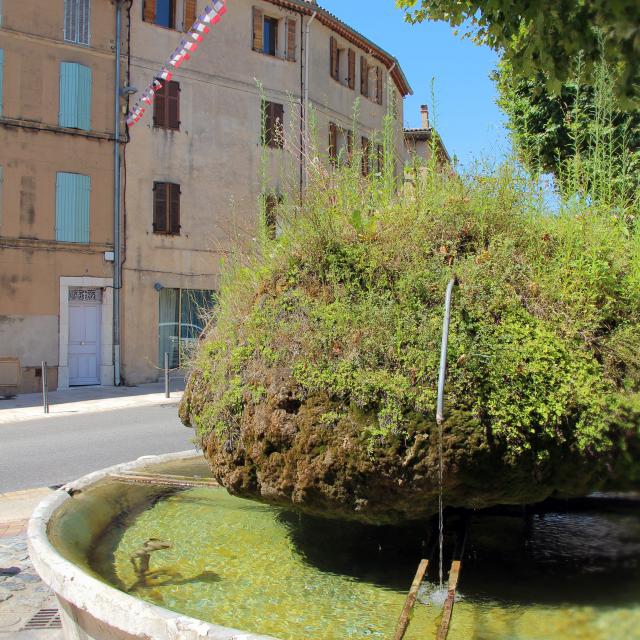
(28, 609)
(87, 400)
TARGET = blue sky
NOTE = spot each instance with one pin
(468, 119)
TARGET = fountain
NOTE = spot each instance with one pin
(217, 563)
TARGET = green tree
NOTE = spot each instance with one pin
(580, 123)
(544, 37)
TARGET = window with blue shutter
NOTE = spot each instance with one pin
(77, 17)
(73, 194)
(1, 77)
(75, 96)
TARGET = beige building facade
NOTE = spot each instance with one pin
(193, 171)
(283, 54)
(57, 71)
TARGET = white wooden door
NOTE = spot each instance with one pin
(84, 343)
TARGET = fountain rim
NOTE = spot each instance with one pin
(105, 603)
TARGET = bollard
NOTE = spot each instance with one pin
(45, 389)
(167, 393)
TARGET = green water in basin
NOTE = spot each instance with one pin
(245, 565)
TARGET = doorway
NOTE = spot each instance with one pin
(84, 336)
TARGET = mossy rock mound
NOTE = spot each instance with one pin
(315, 386)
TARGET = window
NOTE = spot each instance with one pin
(182, 318)
(334, 59)
(364, 76)
(270, 36)
(160, 12)
(379, 85)
(351, 75)
(77, 18)
(272, 125)
(333, 142)
(292, 39)
(271, 203)
(166, 106)
(366, 152)
(73, 193)
(75, 96)
(166, 208)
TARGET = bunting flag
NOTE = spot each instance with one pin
(211, 15)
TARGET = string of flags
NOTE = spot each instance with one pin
(210, 16)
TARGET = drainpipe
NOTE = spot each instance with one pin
(306, 91)
(116, 202)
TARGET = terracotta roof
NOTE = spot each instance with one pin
(329, 20)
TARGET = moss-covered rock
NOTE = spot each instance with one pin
(316, 384)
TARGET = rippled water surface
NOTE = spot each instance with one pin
(245, 565)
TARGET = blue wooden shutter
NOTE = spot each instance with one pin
(76, 87)
(1, 77)
(73, 194)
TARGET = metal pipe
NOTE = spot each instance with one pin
(306, 92)
(167, 393)
(45, 388)
(443, 351)
(116, 202)
(440, 419)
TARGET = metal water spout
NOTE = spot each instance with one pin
(440, 415)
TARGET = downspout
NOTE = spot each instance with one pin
(116, 202)
(306, 94)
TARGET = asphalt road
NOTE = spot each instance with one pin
(48, 452)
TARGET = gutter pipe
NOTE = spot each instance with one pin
(117, 285)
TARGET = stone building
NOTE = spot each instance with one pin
(196, 159)
(57, 71)
(190, 179)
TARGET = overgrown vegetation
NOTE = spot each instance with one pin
(545, 338)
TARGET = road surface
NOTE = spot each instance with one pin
(55, 450)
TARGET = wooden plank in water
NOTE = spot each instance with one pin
(165, 480)
(403, 621)
(447, 612)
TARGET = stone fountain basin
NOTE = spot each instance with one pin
(74, 517)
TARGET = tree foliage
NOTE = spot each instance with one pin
(544, 37)
(581, 124)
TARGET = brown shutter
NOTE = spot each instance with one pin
(173, 105)
(352, 69)
(379, 85)
(160, 207)
(380, 158)
(278, 125)
(189, 14)
(292, 29)
(333, 142)
(335, 59)
(149, 14)
(349, 145)
(160, 108)
(364, 76)
(271, 219)
(258, 30)
(174, 209)
(366, 150)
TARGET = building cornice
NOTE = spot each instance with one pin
(348, 33)
(50, 128)
(53, 245)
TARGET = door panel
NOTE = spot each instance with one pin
(84, 344)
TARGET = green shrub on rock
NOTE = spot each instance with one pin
(316, 381)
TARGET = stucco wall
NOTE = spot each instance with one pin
(216, 154)
(33, 148)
